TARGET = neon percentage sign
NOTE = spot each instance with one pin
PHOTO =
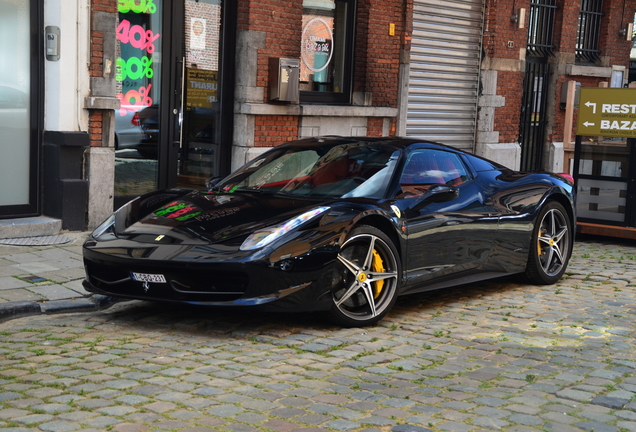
(133, 68)
(137, 36)
(134, 100)
(137, 6)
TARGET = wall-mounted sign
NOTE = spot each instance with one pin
(609, 112)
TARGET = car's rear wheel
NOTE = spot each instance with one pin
(551, 245)
(366, 278)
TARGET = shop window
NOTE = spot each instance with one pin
(327, 51)
(587, 35)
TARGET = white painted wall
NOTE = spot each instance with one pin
(67, 80)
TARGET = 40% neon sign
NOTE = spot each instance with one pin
(137, 36)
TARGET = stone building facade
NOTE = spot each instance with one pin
(150, 94)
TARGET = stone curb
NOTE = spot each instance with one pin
(20, 309)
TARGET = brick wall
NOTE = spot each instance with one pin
(503, 40)
(509, 85)
(272, 130)
(615, 50)
(376, 61)
(281, 21)
(96, 69)
(95, 122)
(611, 43)
(502, 36)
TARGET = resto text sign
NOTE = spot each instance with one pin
(609, 112)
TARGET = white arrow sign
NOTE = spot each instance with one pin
(588, 124)
(591, 104)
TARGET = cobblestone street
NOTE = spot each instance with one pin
(498, 355)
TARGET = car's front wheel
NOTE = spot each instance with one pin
(551, 245)
(366, 278)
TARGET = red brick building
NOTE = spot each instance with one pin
(531, 50)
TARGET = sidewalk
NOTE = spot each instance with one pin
(45, 278)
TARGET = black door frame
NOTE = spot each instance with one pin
(36, 115)
(172, 91)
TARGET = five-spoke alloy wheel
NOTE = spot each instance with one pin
(365, 279)
(551, 246)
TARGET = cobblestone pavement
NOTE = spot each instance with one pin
(491, 356)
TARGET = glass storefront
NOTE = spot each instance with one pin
(15, 102)
(168, 73)
(138, 75)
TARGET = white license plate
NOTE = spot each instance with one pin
(147, 277)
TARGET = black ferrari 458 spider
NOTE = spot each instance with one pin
(340, 225)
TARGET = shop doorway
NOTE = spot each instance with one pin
(174, 82)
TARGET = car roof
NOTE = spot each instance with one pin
(397, 142)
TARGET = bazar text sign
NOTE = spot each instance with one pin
(609, 112)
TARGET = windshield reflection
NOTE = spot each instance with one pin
(344, 170)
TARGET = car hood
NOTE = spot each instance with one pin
(204, 218)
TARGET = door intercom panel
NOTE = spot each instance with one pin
(52, 45)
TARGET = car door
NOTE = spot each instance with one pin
(449, 225)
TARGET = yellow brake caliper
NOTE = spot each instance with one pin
(377, 266)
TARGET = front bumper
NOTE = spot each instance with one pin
(297, 284)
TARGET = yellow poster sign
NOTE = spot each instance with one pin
(201, 88)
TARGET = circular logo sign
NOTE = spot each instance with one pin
(317, 44)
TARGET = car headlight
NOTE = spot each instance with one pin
(108, 226)
(262, 238)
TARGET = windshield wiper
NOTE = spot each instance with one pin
(254, 190)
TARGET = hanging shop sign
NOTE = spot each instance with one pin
(608, 112)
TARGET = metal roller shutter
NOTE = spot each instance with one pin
(444, 71)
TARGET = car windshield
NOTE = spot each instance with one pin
(335, 171)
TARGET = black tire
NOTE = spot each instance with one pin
(550, 246)
(366, 278)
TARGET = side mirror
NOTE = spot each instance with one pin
(436, 193)
(213, 182)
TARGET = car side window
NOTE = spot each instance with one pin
(427, 167)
